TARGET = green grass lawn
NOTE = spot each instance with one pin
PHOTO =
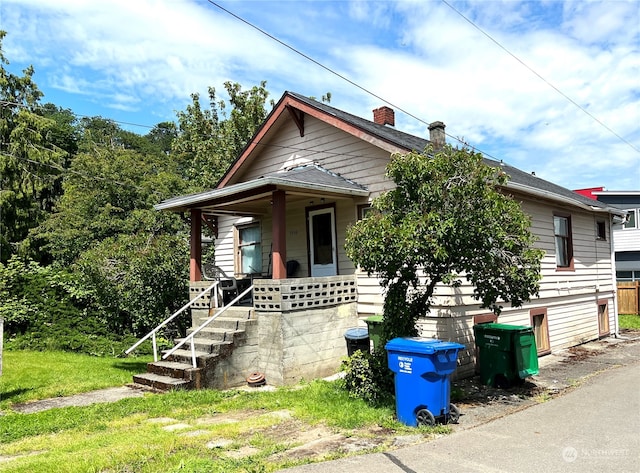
(629, 322)
(259, 429)
(32, 375)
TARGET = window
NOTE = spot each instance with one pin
(564, 249)
(603, 318)
(631, 219)
(249, 249)
(601, 230)
(540, 326)
(363, 210)
(632, 276)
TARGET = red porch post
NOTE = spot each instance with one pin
(279, 230)
(195, 251)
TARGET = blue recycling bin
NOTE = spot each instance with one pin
(422, 369)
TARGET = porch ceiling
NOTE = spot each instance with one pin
(254, 197)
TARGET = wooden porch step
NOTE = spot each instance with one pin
(160, 382)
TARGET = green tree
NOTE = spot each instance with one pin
(132, 259)
(162, 136)
(30, 163)
(446, 220)
(210, 139)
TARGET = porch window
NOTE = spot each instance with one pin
(540, 326)
(249, 249)
(564, 249)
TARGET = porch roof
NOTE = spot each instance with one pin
(251, 197)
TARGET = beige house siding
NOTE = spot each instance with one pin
(571, 297)
(331, 148)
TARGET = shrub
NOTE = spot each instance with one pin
(367, 377)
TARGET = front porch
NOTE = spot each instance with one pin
(294, 330)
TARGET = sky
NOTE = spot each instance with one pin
(548, 86)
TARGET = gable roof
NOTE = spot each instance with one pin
(519, 180)
(385, 137)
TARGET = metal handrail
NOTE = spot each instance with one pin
(166, 321)
(190, 337)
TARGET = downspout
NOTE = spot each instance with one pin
(616, 332)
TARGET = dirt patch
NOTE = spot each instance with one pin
(83, 399)
(319, 442)
(578, 353)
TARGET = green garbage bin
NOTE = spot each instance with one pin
(507, 353)
(374, 325)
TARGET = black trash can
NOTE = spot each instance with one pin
(357, 339)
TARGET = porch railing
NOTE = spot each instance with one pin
(191, 337)
(153, 332)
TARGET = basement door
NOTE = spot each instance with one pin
(322, 242)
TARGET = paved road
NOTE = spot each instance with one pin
(594, 428)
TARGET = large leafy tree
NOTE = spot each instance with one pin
(30, 160)
(446, 220)
(209, 139)
(132, 259)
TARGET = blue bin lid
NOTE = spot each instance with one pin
(356, 333)
(420, 345)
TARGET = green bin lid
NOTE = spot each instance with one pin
(506, 327)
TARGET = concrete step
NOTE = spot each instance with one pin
(208, 346)
(202, 357)
(215, 334)
(160, 382)
(174, 369)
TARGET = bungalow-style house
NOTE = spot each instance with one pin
(280, 214)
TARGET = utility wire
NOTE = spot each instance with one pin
(577, 105)
(341, 76)
(6, 103)
(369, 92)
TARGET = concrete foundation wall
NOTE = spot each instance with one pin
(304, 344)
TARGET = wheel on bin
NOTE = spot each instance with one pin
(454, 414)
(425, 417)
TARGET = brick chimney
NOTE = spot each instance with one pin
(384, 116)
(436, 135)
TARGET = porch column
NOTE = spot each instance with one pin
(195, 250)
(279, 231)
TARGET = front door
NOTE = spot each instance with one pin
(322, 242)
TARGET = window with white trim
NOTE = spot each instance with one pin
(564, 244)
(249, 249)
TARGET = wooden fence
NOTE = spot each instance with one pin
(629, 297)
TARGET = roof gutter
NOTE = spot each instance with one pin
(565, 200)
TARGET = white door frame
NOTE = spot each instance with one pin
(322, 269)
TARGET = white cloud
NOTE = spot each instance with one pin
(149, 56)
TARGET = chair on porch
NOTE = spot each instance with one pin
(228, 287)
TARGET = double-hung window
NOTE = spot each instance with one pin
(249, 249)
(564, 245)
